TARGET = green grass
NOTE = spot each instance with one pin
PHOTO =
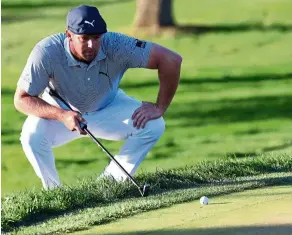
(85, 219)
(257, 211)
(233, 102)
(234, 96)
(233, 99)
(106, 197)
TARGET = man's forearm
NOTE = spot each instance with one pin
(37, 107)
(169, 74)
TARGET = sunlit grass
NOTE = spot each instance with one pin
(234, 95)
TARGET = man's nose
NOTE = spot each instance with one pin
(90, 43)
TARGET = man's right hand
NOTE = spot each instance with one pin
(34, 105)
(72, 121)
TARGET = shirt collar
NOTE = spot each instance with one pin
(73, 62)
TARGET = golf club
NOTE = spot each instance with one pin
(144, 190)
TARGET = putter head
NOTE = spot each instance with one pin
(145, 190)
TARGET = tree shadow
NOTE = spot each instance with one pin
(239, 230)
(9, 131)
(278, 147)
(11, 18)
(283, 180)
(64, 163)
(17, 9)
(223, 111)
(251, 131)
(252, 194)
(210, 80)
(230, 28)
(7, 91)
(10, 142)
(241, 154)
(60, 3)
(259, 152)
(245, 78)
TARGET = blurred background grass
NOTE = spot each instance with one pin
(234, 97)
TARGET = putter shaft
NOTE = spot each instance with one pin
(52, 92)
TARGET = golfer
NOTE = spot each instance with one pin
(85, 66)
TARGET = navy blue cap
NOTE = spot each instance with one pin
(85, 20)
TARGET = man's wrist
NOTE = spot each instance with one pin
(60, 115)
(162, 108)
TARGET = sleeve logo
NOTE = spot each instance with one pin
(140, 43)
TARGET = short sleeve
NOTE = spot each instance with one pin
(35, 75)
(127, 51)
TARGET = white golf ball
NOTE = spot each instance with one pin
(204, 200)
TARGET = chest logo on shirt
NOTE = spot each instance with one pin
(140, 43)
(104, 73)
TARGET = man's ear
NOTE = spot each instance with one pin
(69, 34)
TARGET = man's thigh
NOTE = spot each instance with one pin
(115, 121)
(54, 132)
(112, 123)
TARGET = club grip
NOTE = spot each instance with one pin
(82, 125)
(53, 93)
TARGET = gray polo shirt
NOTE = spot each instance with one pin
(85, 87)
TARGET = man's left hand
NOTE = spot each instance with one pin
(147, 111)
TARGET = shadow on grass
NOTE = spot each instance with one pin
(261, 151)
(209, 80)
(230, 28)
(61, 3)
(62, 163)
(252, 131)
(239, 230)
(252, 194)
(7, 92)
(3, 167)
(278, 147)
(49, 213)
(241, 154)
(195, 81)
(284, 180)
(11, 18)
(18, 11)
(218, 203)
(230, 110)
(9, 131)
(10, 142)
(206, 112)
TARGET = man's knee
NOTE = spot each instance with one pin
(33, 139)
(34, 133)
(156, 127)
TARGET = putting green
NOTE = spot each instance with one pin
(260, 211)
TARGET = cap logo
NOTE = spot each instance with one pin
(91, 23)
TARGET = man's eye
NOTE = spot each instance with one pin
(84, 38)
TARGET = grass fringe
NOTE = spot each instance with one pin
(32, 206)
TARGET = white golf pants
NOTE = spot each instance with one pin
(39, 136)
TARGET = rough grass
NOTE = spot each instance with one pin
(86, 218)
(32, 206)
